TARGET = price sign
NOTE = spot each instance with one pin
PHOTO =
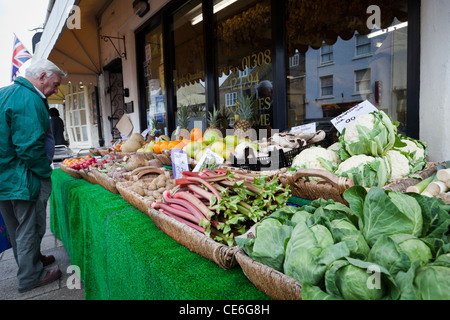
(306, 128)
(180, 163)
(342, 121)
(210, 160)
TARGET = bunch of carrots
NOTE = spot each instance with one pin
(223, 204)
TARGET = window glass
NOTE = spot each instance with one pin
(189, 70)
(367, 63)
(154, 81)
(243, 43)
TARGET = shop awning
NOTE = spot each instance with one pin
(75, 50)
(59, 97)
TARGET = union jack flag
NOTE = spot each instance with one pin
(20, 56)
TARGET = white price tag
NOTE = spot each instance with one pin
(210, 160)
(306, 128)
(180, 163)
(342, 121)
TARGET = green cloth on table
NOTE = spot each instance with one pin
(123, 255)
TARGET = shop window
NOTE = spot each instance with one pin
(243, 43)
(189, 69)
(363, 45)
(294, 61)
(230, 99)
(77, 115)
(326, 54)
(326, 86)
(328, 30)
(362, 81)
(155, 92)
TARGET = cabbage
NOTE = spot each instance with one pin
(353, 279)
(268, 246)
(373, 134)
(309, 251)
(426, 282)
(397, 252)
(344, 230)
(382, 212)
(366, 171)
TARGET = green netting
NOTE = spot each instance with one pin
(123, 255)
(299, 201)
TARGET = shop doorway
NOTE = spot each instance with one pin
(115, 92)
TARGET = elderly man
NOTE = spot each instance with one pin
(25, 169)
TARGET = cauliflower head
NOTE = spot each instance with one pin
(317, 158)
(399, 165)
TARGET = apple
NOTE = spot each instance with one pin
(218, 147)
(192, 148)
(211, 136)
(200, 154)
(231, 141)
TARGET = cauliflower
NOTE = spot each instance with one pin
(371, 134)
(366, 171)
(317, 158)
(399, 165)
(413, 147)
(352, 162)
(351, 131)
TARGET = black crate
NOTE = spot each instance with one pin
(276, 160)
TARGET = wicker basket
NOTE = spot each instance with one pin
(106, 182)
(139, 202)
(333, 186)
(268, 280)
(88, 176)
(72, 172)
(194, 240)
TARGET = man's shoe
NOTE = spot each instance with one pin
(47, 260)
(49, 277)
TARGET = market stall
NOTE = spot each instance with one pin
(364, 218)
(123, 255)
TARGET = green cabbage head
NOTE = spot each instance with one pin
(309, 251)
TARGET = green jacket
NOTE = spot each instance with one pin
(24, 121)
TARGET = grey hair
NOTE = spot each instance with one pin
(35, 70)
(265, 84)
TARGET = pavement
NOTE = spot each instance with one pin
(68, 287)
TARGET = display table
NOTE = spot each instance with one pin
(123, 255)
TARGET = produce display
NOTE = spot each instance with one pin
(222, 204)
(385, 245)
(369, 151)
(380, 244)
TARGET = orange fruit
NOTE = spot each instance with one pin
(173, 144)
(157, 147)
(196, 134)
(200, 140)
(164, 145)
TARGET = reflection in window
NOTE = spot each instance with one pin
(244, 58)
(363, 46)
(362, 59)
(154, 81)
(189, 70)
(326, 55)
(362, 81)
(326, 86)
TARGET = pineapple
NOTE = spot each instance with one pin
(245, 111)
(214, 121)
(183, 116)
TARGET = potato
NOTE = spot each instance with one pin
(136, 161)
(140, 191)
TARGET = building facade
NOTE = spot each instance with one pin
(145, 59)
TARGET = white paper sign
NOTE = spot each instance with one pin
(306, 128)
(210, 160)
(342, 121)
(180, 163)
